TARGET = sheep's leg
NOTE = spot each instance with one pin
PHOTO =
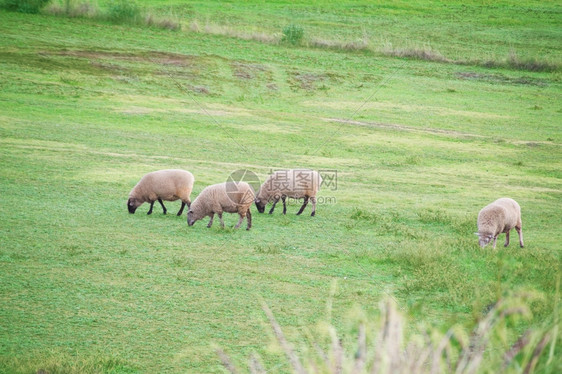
(162, 203)
(284, 204)
(520, 233)
(239, 221)
(313, 201)
(273, 207)
(211, 220)
(249, 218)
(181, 209)
(495, 238)
(303, 205)
(506, 239)
(151, 206)
(222, 222)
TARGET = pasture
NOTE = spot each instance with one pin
(418, 145)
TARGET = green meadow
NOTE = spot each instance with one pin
(419, 145)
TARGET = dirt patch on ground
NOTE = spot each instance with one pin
(305, 81)
(91, 54)
(120, 63)
(200, 90)
(107, 66)
(500, 78)
(163, 58)
(172, 58)
(313, 81)
(247, 71)
(103, 59)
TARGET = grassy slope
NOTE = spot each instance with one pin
(82, 117)
(466, 29)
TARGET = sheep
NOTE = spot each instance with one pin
(295, 183)
(169, 185)
(230, 197)
(500, 216)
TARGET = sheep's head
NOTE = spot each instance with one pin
(484, 239)
(191, 218)
(133, 204)
(260, 204)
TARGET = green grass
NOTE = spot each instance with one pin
(530, 30)
(87, 108)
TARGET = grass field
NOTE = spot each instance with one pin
(87, 107)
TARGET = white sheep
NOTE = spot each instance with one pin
(500, 216)
(230, 197)
(169, 185)
(295, 183)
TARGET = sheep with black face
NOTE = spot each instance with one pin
(229, 197)
(168, 184)
(294, 183)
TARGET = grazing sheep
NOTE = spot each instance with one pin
(230, 197)
(169, 185)
(500, 216)
(293, 183)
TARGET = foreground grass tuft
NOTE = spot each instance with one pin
(385, 345)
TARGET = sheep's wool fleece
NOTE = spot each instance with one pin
(227, 197)
(294, 183)
(501, 215)
(165, 184)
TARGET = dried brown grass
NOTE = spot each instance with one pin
(232, 32)
(356, 45)
(162, 22)
(516, 62)
(425, 53)
(73, 8)
(385, 347)
(90, 9)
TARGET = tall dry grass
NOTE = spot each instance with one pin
(121, 12)
(355, 45)
(233, 32)
(388, 345)
(424, 52)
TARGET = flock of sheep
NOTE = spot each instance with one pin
(501, 216)
(229, 197)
